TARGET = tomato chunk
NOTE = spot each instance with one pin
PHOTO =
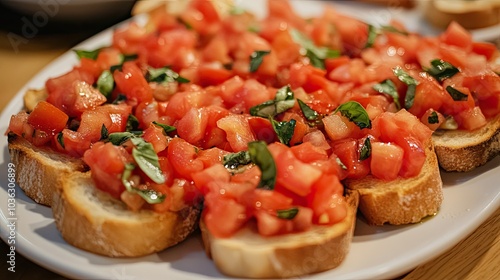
(48, 118)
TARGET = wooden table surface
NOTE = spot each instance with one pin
(476, 257)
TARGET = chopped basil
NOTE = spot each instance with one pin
(118, 138)
(256, 59)
(287, 214)
(128, 57)
(88, 54)
(309, 113)
(389, 88)
(254, 28)
(283, 101)
(372, 35)
(366, 150)
(316, 55)
(150, 196)
(442, 70)
(104, 132)
(340, 163)
(284, 130)
(235, 160)
(186, 24)
(60, 139)
(120, 98)
(147, 159)
(260, 155)
(410, 82)
(106, 83)
(166, 128)
(456, 94)
(164, 75)
(117, 67)
(236, 11)
(433, 118)
(355, 113)
(132, 123)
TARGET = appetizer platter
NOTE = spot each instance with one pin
(165, 161)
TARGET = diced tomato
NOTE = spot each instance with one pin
(132, 83)
(216, 173)
(308, 153)
(432, 119)
(107, 162)
(238, 131)
(193, 125)
(291, 173)
(183, 157)
(484, 48)
(458, 36)
(146, 113)
(235, 215)
(347, 151)
(318, 139)
(328, 191)
(212, 156)
(339, 127)
(48, 118)
(386, 160)
(209, 75)
(155, 135)
(471, 119)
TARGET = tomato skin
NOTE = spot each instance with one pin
(471, 119)
(238, 131)
(132, 83)
(386, 160)
(183, 157)
(291, 173)
(107, 162)
(327, 195)
(458, 36)
(154, 135)
(235, 215)
(48, 118)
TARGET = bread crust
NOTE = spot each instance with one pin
(250, 255)
(469, 14)
(94, 221)
(39, 169)
(461, 150)
(401, 201)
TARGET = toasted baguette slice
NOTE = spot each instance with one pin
(461, 150)
(39, 169)
(250, 255)
(402, 201)
(469, 14)
(94, 221)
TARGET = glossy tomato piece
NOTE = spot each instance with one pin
(107, 162)
(235, 215)
(458, 36)
(155, 135)
(183, 157)
(386, 160)
(48, 118)
(238, 131)
(131, 82)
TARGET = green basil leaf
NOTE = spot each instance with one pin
(366, 149)
(284, 93)
(456, 94)
(441, 70)
(260, 155)
(118, 138)
(119, 99)
(186, 24)
(132, 123)
(372, 35)
(60, 139)
(106, 83)
(287, 214)
(355, 113)
(316, 54)
(284, 130)
(104, 132)
(147, 160)
(166, 128)
(164, 75)
(389, 88)
(128, 57)
(283, 101)
(256, 59)
(235, 160)
(309, 113)
(410, 82)
(88, 54)
(433, 118)
(150, 196)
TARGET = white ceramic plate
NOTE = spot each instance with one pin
(376, 252)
